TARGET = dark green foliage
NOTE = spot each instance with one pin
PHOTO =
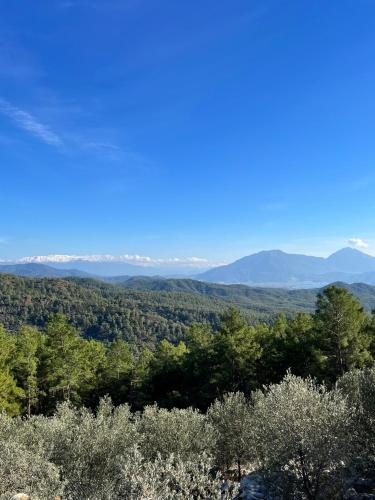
(107, 312)
(341, 325)
(39, 368)
(262, 300)
(145, 310)
(10, 393)
(288, 345)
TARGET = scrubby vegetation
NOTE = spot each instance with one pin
(303, 440)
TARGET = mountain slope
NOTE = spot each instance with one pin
(39, 271)
(277, 268)
(272, 266)
(350, 260)
(106, 268)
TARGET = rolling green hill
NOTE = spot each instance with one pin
(105, 311)
(143, 310)
(264, 300)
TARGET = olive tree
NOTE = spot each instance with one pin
(87, 447)
(24, 466)
(171, 478)
(359, 388)
(184, 433)
(302, 437)
(80, 454)
(231, 420)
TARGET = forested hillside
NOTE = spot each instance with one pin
(269, 301)
(104, 311)
(144, 310)
(208, 361)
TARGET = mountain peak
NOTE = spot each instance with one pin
(349, 251)
(268, 252)
(278, 268)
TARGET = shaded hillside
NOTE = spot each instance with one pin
(265, 300)
(105, 311)
(143, 310)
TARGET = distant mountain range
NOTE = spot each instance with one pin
(272, 268)
(279, 269)
(99, 270)
(40, 271)
(111, 267)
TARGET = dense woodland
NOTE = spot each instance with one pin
(146, 310)
(292, 401)
(106, 312)
(41, 367)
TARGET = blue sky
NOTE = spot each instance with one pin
(175, 129)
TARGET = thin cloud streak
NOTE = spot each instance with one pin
(27, 122)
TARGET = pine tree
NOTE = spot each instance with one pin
(10, 394)
(237, 351)
(65, 362)
(29, 341)
(341, 324)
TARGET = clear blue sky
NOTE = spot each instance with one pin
(202, 128)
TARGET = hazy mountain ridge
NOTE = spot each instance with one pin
(40, 271)
(272, 268)
(277, 268)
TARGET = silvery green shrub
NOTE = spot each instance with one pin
(184, 433)
(87, 447)
(98, 456)
(23, 469)
(232, 423)
(170, 478)
(302, 438)
(359, 388)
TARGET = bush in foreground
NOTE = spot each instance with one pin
(303, 440)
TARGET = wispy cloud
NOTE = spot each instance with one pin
(134, 259)
(29, 123)
(358, 243)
